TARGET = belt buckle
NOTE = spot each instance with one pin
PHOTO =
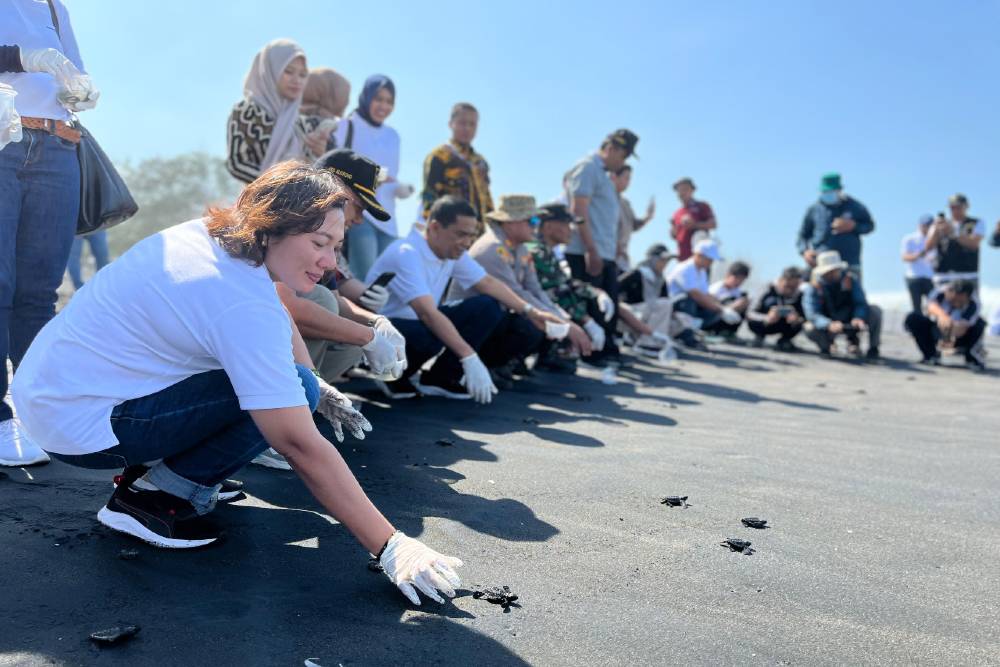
(49, 125)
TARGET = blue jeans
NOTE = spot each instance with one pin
(691, 307)
(365, 242)
(98, 242)
(39, 204)
(198, 430)
(475, 318)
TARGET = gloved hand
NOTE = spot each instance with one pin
(596, 333)
(339, 411)
(404, 190)
(730, 316)
(381, 356)
(662, 337)
(477, 379)
(556, 330)
(374, 298)
(76, 90)
(10, 121)
(409, 562)
(384, 326)
(606, 305)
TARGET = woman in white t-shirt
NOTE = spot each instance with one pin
(364, 131)
(186, 366)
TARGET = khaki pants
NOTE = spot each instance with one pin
(659, 315)
(330, 358)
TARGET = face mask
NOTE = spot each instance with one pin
(830, 198)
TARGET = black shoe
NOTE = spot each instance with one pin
(873, 354)
(231, 489)
(518, 367)
(932, 361)
(758, 341)
(825, 353)
(503, 381)
(554, 364)
(975, 359)
(431, 386)
(156, 517)
(691, 341)
(398, 389)
(785, 345)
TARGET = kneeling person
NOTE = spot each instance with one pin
(953, 319)
(688, 286)
(424, 264)
(778, 310)
(835, 304)
(730, 293)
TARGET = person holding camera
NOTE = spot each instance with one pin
(836, 222)
(956, 241)
(919, 260)
(778, 310)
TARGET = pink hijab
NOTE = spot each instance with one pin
(261, 86)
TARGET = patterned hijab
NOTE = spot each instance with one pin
(261, 86)
(373, 84)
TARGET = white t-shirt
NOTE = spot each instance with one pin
(380, 144)
(173, 306)
(419, 272)
(723, 293)
(685, 276)
(918, 268)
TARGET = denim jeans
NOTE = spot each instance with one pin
(196, 432)
(690, 306)
(365, 242)
(475, 318)
(39, 204)
(98, 242)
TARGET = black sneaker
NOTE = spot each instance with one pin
(873, 354)
(975, 359)
(503, 381)
(431, 386)
(556, 364)
(519, 367)
(156, 517)
(398, 389)
(785, 345)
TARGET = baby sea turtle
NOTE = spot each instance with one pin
(115, 634)
(500, 595)
(737, 545)
(675, 501)
(754, 522)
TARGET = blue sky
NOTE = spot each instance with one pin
(754, 100)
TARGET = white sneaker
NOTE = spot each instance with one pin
(271, 459)
(16, 448)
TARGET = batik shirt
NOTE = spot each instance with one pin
(569, 294)
(456, 170)
(248, 133)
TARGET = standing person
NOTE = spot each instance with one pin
(592, 251)
(919, 259)
(627, 220)
(835, 304)
(693, 218)
(956, 242)
(39, 186)
(364, 131)
(953, 318)
(98, 242)
(835, 222)
(184, 376)
(324, 102)
(778, 310)
(456, 169)
(265, 127)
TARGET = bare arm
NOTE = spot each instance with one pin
(292, 433)
(353, 311)
(441, 326)
(969, 241)
(314, 321)
(580, 206)
(633, 322)
(351, 289)
(490, 286)
(705, 300)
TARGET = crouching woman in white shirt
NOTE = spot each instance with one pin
(182, 359)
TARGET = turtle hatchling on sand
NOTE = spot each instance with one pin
(737, 545)
(675, 501)
(500, 595)
(754, 522)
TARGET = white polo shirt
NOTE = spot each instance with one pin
(419, 272)
(685, 276)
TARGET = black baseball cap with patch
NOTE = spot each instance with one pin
(557, 212)
(626, 139)
(358, 173)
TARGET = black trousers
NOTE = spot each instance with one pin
(926, 334)
(514, 338)
(607, 280)
(782, 327)
(918, 289)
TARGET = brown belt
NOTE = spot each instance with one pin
(60, 128)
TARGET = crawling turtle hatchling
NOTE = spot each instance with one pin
(754, 522)
(500, 595)
(737, 545)
(675, 501)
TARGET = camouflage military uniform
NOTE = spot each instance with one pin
(571, 295)
(456, 170)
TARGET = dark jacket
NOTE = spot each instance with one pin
(770, 298)
(816, 232)
(842, 301)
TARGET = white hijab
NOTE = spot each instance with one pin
(261, 86)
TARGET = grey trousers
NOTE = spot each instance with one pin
(824, 339)
(330, 358)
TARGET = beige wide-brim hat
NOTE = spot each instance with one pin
(514, 207)
(826, 262)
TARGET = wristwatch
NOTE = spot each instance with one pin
(527, 309)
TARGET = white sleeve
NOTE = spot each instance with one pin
(253, 344)
(467, 271)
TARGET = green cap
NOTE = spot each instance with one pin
(830, 182)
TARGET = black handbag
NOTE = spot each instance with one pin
(104, 198)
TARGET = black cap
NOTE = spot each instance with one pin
(358, 173)
(557, 212)
(627, 139)
(659, 251)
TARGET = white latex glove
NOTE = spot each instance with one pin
(381, 355)
(596, 333)
(384, 326)
(76, 90)
(477, 379)
(339, 411)
(10, 120)
(374, 298)
(404, 190)
(662, 337)
(606, 306)
(556, 330)
(730, 316)
(410, 563)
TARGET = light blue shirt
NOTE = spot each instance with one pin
(589, 179)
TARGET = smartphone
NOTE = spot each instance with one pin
(785, 311)
(384, 279)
